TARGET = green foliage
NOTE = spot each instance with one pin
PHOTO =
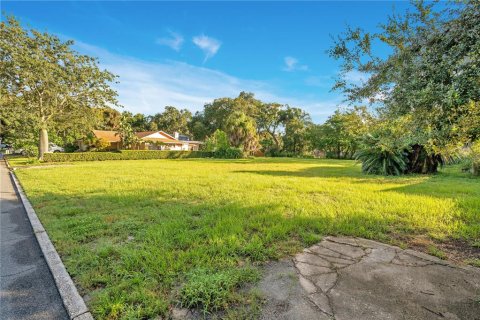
(138, 122)
(217, 141)
(220, 147)
(269, 120)
(376, 159)
(228, 153)
(48, 85)
(213, 290)
(476, 263)
(431, 75)
(471, 160)
(340, 136)
(385, 149)
(126, 133)
(241, 131)
(296, 123)
(124, 155)
(131, 232)
(101, 144)
(107, 118)
(173, 120)
(250, 123)
(29, 150)
(434, 251)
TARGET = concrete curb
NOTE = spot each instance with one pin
(10, 168)
(73, 302)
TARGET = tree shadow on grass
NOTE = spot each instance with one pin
(352, 172)
(312, 172)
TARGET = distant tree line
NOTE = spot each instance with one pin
(248, 123)
(49, 92)
(423, 98)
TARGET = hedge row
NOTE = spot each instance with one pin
(124, 155)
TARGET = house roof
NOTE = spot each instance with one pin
(110, 136)
(142, 134)
(153, 136)
(156, 136)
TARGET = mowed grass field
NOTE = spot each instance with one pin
(140, 237)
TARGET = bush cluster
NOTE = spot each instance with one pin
(124, 155)
(228, 153)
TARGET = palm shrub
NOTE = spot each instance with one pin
(377, 157)
(385, 149)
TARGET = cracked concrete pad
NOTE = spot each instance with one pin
(352, 278)
(285, 297)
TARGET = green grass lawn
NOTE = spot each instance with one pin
(142, 236)
(18, 161)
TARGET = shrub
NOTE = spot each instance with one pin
(101, 144)
(384, 162)
(218, 140)
(71, 147)
(228, 153)
(378, 156)
(30, 150)
(124, 155)
(220, 148)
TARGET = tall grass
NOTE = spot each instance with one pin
(142, 236)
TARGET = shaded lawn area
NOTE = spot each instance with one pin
(142, 236)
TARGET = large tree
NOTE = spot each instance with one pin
(431, 74)
(269, 121)
(108, 118)
(173, 120)
(241, 131)
(340, 136)
(46, 82)
(296, 123)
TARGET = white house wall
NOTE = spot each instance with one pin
(157, 135)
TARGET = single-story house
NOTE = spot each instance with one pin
(160, 140)
(149, 140)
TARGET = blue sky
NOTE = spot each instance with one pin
(187, 53)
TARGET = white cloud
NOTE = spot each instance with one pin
(356, 77)
(148, 87)
(292, 64)
(208, 45)
(174, 41)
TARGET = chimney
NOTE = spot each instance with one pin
(176, 135)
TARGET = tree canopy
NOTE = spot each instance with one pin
(47, 84)
(431, 76)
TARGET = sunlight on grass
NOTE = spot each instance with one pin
(137, 236)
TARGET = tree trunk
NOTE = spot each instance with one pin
(43, 145)
(421, 162)
(476, 169)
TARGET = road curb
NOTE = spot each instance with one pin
(73, 302)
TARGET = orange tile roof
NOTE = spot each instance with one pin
(110, 136)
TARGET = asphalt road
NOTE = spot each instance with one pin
(27, 288)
